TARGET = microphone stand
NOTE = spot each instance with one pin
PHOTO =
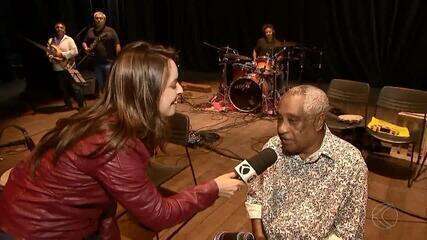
(288, 55)
(81, 31)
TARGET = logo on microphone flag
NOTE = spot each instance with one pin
(245, 171)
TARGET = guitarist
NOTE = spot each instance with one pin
(61, 51)
(102, 42)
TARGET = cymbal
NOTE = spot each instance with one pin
(211, 45)
(226, 49)
(302, 46)
(229, 49)
(233, 56)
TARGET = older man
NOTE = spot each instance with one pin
(317, 189)
(101, 41)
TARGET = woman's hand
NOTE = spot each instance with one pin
(227, 184)
(257, 229)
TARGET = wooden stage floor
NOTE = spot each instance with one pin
(247, 137)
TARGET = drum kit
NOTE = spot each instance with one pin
(253, 85)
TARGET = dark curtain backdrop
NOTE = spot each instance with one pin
(186, 24)
(383, 42)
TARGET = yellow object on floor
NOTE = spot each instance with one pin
(378, 125)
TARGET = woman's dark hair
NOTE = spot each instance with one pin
(127, 110)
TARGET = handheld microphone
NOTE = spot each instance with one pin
(234, 236)
(249, 169)
(181, 134)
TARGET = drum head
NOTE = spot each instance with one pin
(241, 70)
(245, 94)
(264, 65)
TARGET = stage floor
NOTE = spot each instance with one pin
(242, 134)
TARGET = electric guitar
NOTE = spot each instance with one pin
(95, 43)
(91, 47)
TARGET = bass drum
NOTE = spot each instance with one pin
(245, 93)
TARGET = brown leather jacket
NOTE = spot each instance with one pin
(76, 197)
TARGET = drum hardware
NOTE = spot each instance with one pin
(226, 57)
(225, 54)
(254, 85)
(236, 57)
(264, 65)
(249, 85)
(226, 49)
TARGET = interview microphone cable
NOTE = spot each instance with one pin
(221, 152)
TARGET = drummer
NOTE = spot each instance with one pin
(268, 44)
(265, 59)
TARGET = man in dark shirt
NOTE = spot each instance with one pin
(101, 41)
(268, 44)
(266, 47)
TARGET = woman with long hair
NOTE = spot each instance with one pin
(70, 185)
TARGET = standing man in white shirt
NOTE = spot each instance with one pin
(62, 51)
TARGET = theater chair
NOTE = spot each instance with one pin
(347, 98)
(391, 102)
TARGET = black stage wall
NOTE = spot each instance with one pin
(383, 42)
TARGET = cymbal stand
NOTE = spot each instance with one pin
(301, 66)
(288, 68)
(223, 85)
(276, 92)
